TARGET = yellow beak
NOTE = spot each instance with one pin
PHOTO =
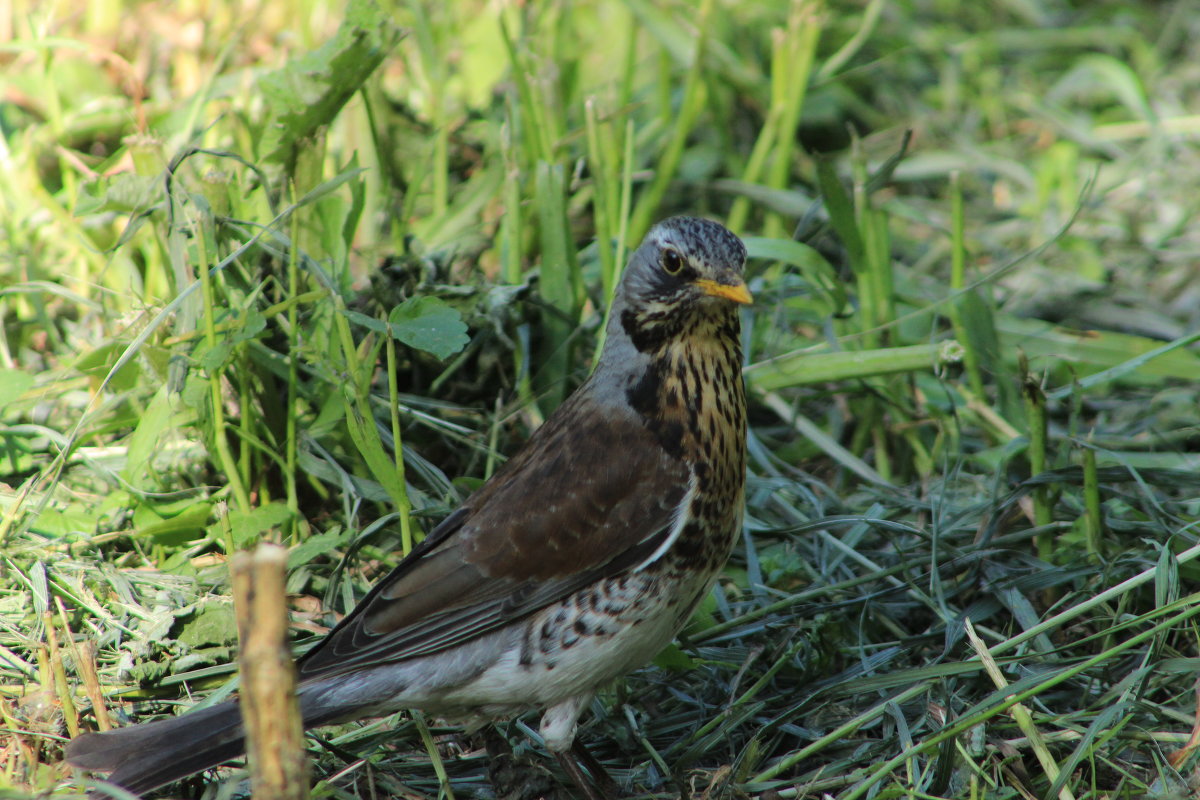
(736, 292)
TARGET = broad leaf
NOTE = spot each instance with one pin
(425, 323)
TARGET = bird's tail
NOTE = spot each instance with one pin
(152, 754)
(144, 757)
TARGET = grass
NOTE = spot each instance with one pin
(310, 279)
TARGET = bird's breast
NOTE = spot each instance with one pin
(702, 416)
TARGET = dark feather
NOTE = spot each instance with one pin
(557, 517)
(144, 756)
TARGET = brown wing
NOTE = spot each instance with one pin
(590, 495)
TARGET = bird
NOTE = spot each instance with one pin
(575, 563)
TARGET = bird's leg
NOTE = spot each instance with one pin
(599, 786)
(558, 731)
(600, 776)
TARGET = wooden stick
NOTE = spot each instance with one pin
(274, 733)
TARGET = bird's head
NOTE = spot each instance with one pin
(686, 272)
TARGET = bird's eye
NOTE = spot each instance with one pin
(672, 262)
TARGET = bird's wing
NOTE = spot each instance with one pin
(590, 495)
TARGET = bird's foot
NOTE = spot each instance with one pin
(599, 785)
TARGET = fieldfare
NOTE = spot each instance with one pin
(577, 562)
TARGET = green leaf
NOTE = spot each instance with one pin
(365, 436)
(55, 524)
(216, 358)
(672, 658)
(803, 368)
(560, 285)
(249, 326)
(1097, 70)
(1119, 355)
(812, 264)
(13, 384)
(98, 363)
(425, 323)
(428, 323)
(319, 544)
(786, 250)
(330, 414)
(676, 38)
(247, 527)
(178, 529)
(483, 62)
(309, 91)
(149, 672)
(214, 623)
(123, 193)
(146, 440)
(841, 212)
(199, 658)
